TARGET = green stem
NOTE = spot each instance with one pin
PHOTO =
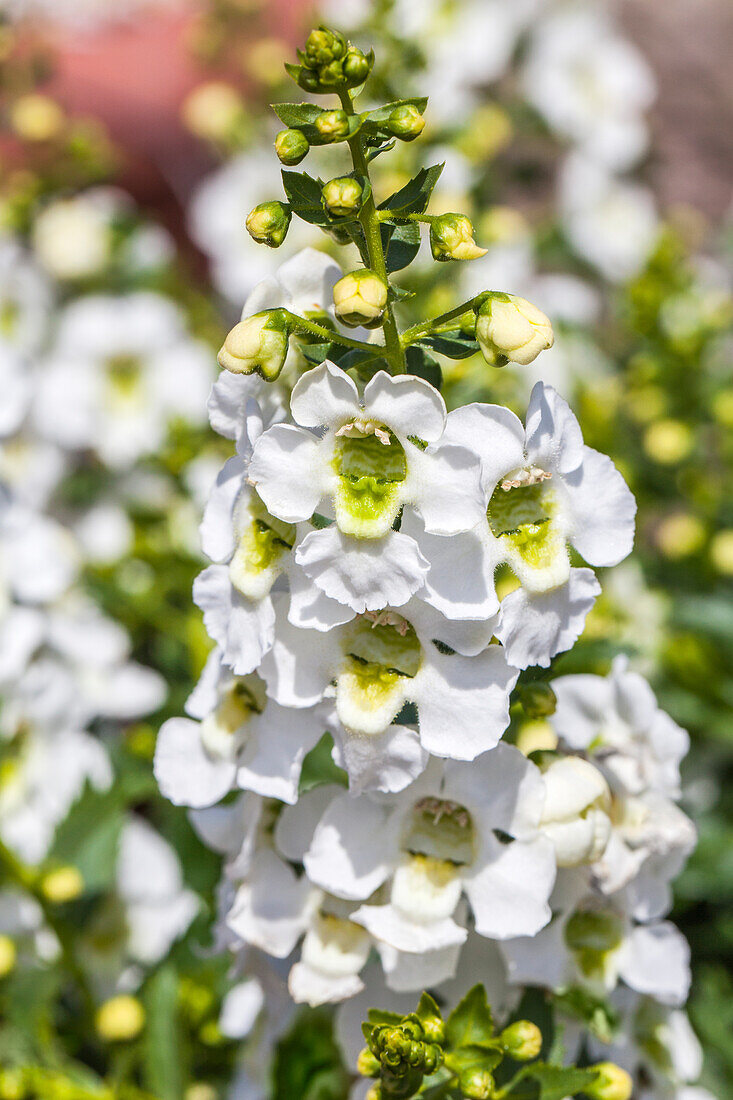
(27, 879)
(370, 223)
(426, 328)
(326, 335)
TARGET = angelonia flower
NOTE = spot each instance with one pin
(356, 539)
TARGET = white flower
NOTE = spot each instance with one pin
(616, 720)
(544, 492)
(591, 85)
(234, 737)
(73, 237)
(381, 660)
(121, 369)
(40, 558)
(611, 223)
(576, 811)
(25, 298)
(435, 841)
(375, 455)
(217, 217)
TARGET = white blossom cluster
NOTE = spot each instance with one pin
(354, 538)
(67, 683)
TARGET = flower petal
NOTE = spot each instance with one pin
(443, 484)
(185, 773)
(655, 960)
(387, 924)
(408, 405)
(325, 396)
(270, 909)
(288, 472)
(510, 887)
(379, 762)
(353, 848)
(301, 664)
(244, 630)
(502, 788)
(554, 438)
(217, 528)
(533, 627)
(277, 744)
(460, 580)
(494, 433)
(602, 509)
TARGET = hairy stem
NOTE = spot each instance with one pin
(439, 324)
(326, 335)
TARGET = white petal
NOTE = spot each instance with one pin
(277, 744)
(244, 630)
(301, 663)
(466, 636)
(406, 404)
(444, 485)
(205, 696)
(296, 824)
(655, 960)
(533, 627)
(602, 510)
(510, 888)
(311, 608)
(583, 702)
(502, 788)
(217, 527)
(460, 580)
(240, 1009)
(494, 433)
(229, 397)
(414, 972)
(388, 925)
(287, 471)
(352, 849)
(463, 702)
(380, 762)
(311, 987)
(185, 773)
(270, 909)
(541, 959)
(554, 438)
(325, 395)
(364, 574)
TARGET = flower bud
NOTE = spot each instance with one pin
(612, 1083)
(342, 196)
(333, 125)
(291, 146)
(322, 47)
(367, 1065)
(451, 238)
(308, 80)
(476, 1084)
(268, 223)
(406, 122)
(511, 329)
(360, 298)
(257, 344)
(538, 699)
(593, 930)
(356, 67)
(62, 885)
(575, 815)
(120, 1019)
(522, 1040)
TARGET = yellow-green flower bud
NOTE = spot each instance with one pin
(451, 238)
(476, 1084)
(511, 329)
(356, 67)
(268, 223)
(322, 47)
(120, 1019)
(406, 122)
(291, 146)
(8, 955)
(257, 344)
(537, 699)
(333, 125)
(342, 196)
(360, 298)
(612, 1083)
(522, 1040)
(367, 1065)
(62, 885)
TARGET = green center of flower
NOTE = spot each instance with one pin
(382, 653)
(594, 937)
(371, 466)
(222, 731)
(440, 829)
(263, 542)
(9, 314)
(124, 373)
(521, 514)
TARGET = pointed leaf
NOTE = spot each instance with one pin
(401, 244)
(296, 114)
(470, 1022)
(414, 197)
(454, 345)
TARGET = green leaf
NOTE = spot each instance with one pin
(470, 1022)
(88, 837)
(424, 366)
(381, 147)
(294, 115)
(373, 119)
(473, 1056)
(555, 1082)
(427, 1010)
(315, 353)
(597, 1014)
(414, 197)
(454, 345)
(308, 1063)
(364, 362)
(163, 1049)
(304, 195)
(401, 244)
(383, 1016)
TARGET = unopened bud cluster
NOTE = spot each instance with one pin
(329, 62)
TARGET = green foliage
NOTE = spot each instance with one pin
(307, 1061)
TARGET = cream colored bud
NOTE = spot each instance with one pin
(612, 1083)
(342, 196)
(255, 345)
(36, 117)
(120, 1019)
(360, 298)
(451, 238)
(291, 146)
(511, 329)
(62, 885)
(575, 815)
(268, 223)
